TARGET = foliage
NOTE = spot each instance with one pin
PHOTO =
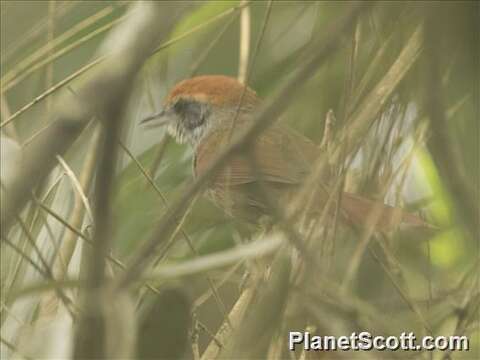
(402, 80)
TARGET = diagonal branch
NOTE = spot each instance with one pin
(96, 94)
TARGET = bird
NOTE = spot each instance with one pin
(207, 111)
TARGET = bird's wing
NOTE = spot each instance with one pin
(283, 159)
(281, 156)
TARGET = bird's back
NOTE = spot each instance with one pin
(283, 159)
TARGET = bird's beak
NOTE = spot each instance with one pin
(159, 119)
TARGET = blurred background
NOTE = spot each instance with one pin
(421, 152)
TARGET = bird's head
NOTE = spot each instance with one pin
(197, 106)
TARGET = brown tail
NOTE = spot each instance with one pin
(364, 212)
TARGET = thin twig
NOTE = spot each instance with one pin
(53, 89)
(49, 46)
(48, 271)
(13, 348)
(244, 51)
(402, 292)
(35, 213)
(257, 249)
(44, 50)
(69, 243)
(470, 306)
(33, 244)
(374, 101)
(100, 59)
(34, 31)
(54, 56)
(444, 152)
(74, 112)
(210, 334)
(5, 112)
(184, 234)
(85, 238)
(26, 258)
(248, 70)
(194, 338)
(204, 297)
(195, 66)
(77, 186)
(236, 315)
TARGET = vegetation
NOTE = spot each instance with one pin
(109, 247)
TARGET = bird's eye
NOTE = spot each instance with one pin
(191, 112)
(181, 106)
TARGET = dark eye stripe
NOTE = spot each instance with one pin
(181, 106)
(192, 113)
